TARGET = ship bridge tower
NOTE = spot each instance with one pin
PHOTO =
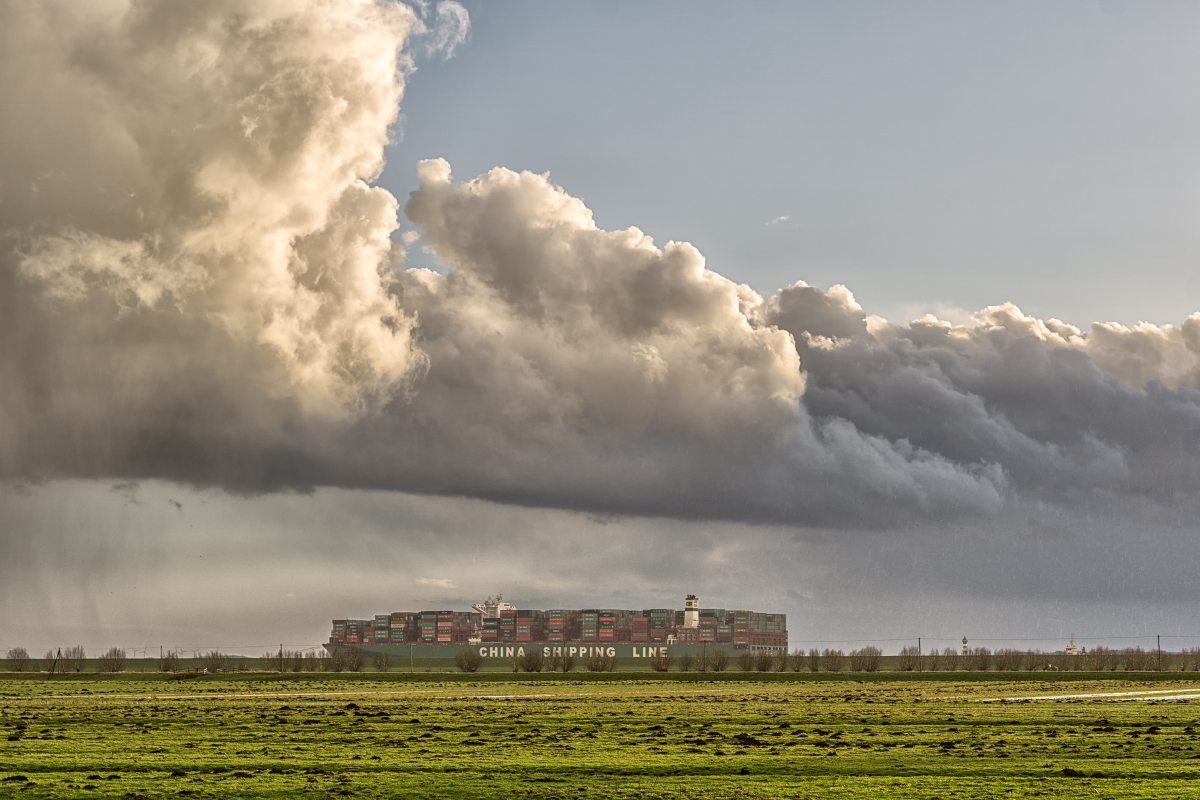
(490, 609)
(691, 612)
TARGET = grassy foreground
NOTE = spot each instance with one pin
(637, 737)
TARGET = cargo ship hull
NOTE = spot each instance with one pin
(625, 651)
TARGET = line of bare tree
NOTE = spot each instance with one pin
(865, 659)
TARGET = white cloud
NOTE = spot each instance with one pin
(437, 583)
(195, 302)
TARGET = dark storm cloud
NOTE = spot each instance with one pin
(200, 285)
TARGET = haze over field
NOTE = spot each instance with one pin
(244, 387)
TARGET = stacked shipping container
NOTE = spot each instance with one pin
(738, 630)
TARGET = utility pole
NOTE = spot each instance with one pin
(920, 658)
(280, 659)
(1158, 657)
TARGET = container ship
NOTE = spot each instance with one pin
(496, 629)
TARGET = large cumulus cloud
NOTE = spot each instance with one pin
(199, 283)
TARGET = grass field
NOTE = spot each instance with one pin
(623, 736)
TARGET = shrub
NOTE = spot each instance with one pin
(764, 661)
(950, 658)
(532, 660)
(312, 661)
(113, 660)
(746, 662)
(933, 661)
(568, 663)
(719, 661)
(700, 663)
(659, 662)
(381, 661)
(18, 659)
(169, 662)
(1189, 659)
(833, 660)
(686, 662)
(51, 662)
(553, 662)
(814, 660)
(796, 661)
(468, 660)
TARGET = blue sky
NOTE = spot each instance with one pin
(931, 156)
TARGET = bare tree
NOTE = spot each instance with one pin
(169, 662)
(215, 661)
(468, 660)
(52, 662)
(701, 662)
(312, 661)
(659, 662)
(271, 661)
(686, 662)
(1007, 659)
(764, 661)
(532, 660)
(719, 661)
(833, 660)
(1135, 659)
(381, 661)
(294, 660)
(1112, 659)
(18, 659)
(599, 662)
(554, 661)
(950, 658)
(568, 663)
(113, 660)
(356, 659)
(979, 659)
(796, 660)
(73, 659)
(746, 662)
(814, 660)
(866, 659)
(1189, 659)
(908, 660)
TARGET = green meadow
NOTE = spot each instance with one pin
(604, 736)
